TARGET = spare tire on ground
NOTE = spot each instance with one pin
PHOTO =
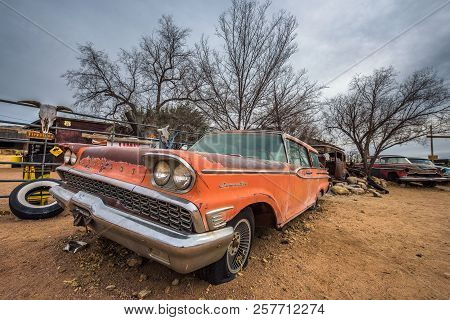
(31, 200)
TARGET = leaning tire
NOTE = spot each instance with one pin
(238, 252)
(23, 209)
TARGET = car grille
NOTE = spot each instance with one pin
(146, 207)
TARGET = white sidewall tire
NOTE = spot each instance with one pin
(21, 195)
(22, 209)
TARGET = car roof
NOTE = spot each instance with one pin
(250, 131)
(307, 146)
(391, 156)
(417, 158)
(328, 146)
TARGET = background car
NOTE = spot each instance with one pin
(400, 169)
(443, 165)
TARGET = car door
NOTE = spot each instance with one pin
(299, 179)
(319, 176)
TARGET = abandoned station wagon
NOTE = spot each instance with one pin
(192, 209)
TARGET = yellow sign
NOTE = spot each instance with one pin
(56, 151)
(432, 157)
(39, 135)
(67, 123)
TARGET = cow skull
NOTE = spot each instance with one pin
(47, 114)
(164, 132)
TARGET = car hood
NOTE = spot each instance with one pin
(200, 161)
(425, 167)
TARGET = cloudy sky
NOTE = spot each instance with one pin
(332, 36)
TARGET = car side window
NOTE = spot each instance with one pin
(392, 160)
(298, 155)
(315, 160)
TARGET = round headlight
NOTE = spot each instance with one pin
(73, 158)
(67, 156)
(182, 177)
(161, 173)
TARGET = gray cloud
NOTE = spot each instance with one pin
(332, 35)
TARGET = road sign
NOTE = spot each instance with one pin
(56, 151)
(39, 135)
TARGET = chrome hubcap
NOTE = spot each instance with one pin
(234, 245)
(239, 247)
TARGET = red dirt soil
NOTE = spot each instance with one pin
(351, 247)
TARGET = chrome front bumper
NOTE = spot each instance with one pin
(179, 251)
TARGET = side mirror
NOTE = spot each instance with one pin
(184, 147)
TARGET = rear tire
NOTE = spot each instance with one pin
(393, 177)
(22, 209)
(429, 184)
(238, 252)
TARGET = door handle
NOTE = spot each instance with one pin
(308, 172)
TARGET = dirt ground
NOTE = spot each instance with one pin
(351, 247)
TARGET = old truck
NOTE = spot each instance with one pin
(400, 169)
(192, 209)
(333, 158)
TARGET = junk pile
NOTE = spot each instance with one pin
(360, 186)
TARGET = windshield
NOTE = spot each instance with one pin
(251, 145)
(394, 160)
(422, 161)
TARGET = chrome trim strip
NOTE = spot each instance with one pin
(239, 171)
(212, 219)
(220, 210)
(424, 179)
(197, 220)
(284, 137)
(321, 176)
(389, 168)
(114, 182)
(146, 157)
(185, 204)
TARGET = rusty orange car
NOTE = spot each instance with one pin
(192, 209)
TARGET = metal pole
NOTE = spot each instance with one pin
(43, 159)
(113, 133)
(432, 147)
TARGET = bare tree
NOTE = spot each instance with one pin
(141, 81)
(380, 112)
(239, 78)
(293, 105)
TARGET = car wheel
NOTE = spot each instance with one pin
(393, 177)
(238, 252)
(31, 200)
(429, 184)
